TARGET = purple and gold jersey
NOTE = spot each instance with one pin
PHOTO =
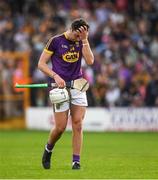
(66, 57)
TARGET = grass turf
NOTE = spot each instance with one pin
(104, 155)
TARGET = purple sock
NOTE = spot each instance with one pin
(49, 147)
(76, 158)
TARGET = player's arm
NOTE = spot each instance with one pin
(86, 50)
(42, 65)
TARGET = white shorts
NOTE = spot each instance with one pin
(77, 98)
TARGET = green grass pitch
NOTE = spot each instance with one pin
(104, 155)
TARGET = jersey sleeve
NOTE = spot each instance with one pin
(50, 46)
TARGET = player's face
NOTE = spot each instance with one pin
(76, 36)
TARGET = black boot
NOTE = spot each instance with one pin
(76, 165)
(46, 159)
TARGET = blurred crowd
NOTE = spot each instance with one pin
(123, 35)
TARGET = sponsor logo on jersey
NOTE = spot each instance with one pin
(71, 56)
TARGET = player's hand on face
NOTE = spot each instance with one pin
(59, 81)
(83, 31)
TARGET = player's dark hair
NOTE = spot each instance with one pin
(76, 24)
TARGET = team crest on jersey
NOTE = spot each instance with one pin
(64, 46)
(71, 56)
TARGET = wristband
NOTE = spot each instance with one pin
(54, 75)
(84, 40)
(84, 44)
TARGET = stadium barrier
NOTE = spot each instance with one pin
(100, 119)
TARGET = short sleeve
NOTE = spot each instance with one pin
(50, 46)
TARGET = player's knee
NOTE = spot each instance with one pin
(60, 130)
(77, 126)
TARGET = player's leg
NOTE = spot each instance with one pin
(77, 115)
(61, 118)
(78, 109)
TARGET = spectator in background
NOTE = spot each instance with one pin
(152, 90)
(154, 49)
(123, 35)
(112, 95)
(7, 88)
